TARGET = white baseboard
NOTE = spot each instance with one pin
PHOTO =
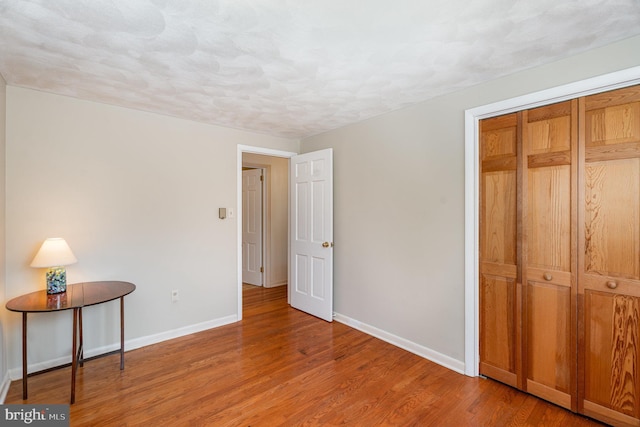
(132, 344)
(180, 332)
(427, 353)
(4, 387)
(276, 284)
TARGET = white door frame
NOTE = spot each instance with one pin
(255, 150)
(602, 83)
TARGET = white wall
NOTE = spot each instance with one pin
(399, 207)
(278, 195)
(136, 196)
(3, 345)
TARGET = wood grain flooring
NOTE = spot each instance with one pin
(281, 367)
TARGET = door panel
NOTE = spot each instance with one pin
(609, 280)
(549, 218)
(311, 178)
(252, 227)
(549, 351)
(499, 217)
(612, 218)
(499, 314)
(612, 383)
(549, 147)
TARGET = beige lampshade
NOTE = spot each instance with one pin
(54, 252)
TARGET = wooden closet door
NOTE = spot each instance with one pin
(549, 261)
(609, 262)
(499, 296)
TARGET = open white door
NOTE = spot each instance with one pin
(252, 227)
(311, 233)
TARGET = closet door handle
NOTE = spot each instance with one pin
(612, 285)
(547, 276)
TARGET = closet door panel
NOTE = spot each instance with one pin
(612, 383)
(548, 251)
(499, 327)
(609, 280)
(612, 218)
(613, 120)
(549, 342)
(499, 218)
(549, 218)
(497, 349)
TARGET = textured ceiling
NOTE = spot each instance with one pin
(290, 68)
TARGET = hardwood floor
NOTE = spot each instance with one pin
(281, 367)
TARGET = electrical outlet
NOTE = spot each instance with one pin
(174, 296)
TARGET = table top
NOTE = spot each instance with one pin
(78, 295)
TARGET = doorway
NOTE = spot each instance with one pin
(275, 208)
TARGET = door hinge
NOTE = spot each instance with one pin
(261, 269)
(261, 177)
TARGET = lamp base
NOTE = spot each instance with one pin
(56, 280)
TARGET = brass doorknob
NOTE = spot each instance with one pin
(612, 285)
(547, 276)
(327, 244)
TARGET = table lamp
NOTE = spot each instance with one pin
(55, 253)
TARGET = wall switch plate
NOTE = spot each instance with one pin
(222, 213)
(231, 213)
(175, 296)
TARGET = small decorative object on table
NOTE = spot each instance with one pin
(55, 253)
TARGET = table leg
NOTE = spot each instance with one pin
(121, 333)
(24, 355)
(81, 348)
(74, 355)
